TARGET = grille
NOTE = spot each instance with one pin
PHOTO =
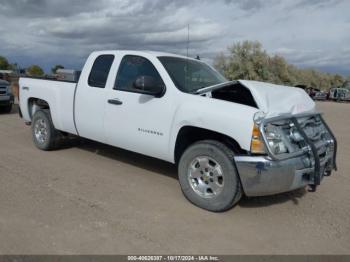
(3, 90)
(286, 130)
(318, 135)
(307, 136)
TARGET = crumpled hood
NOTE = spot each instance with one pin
(275, 100)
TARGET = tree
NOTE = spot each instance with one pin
(35, 70)
(4, 64)
(346, 84)
(337, 80)
(281, 72)
(56, 67)
(248, 60)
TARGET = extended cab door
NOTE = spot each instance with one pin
(90, 97)
(137, 121)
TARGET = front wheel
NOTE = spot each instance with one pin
(208, 176)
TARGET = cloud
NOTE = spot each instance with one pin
(47, 8)
(248, 5)
(47, 31)
(316, 3)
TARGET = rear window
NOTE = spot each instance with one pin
(100, 70)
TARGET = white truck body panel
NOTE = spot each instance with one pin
(90, 103)
(83, 110)
(277, 99)
(59, 95)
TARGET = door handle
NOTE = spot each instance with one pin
(115, 101)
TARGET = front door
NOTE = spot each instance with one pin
(136, 121)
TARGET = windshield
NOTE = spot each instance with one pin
(189, 75)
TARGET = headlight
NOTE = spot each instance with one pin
(295, 135)
(275, 141)
(275, 138)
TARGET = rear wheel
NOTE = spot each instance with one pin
(44, 134)
(208, 176)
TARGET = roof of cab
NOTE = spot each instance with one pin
(154, 53)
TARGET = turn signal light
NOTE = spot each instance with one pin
(257, 144)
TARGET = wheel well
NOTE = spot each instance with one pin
(189, 135)
(34, 104)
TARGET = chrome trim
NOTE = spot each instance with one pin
(261, 175)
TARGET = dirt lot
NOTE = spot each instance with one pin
(92, 199)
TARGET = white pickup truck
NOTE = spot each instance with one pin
(228, 138)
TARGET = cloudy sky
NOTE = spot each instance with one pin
(309, 33)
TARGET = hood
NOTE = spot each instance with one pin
(275, 100)
(4, 83)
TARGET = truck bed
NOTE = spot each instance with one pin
(59, 94)
(48, 79)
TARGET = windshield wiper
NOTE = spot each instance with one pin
(196, 90)
(212, 88)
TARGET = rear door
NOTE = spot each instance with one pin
(90, 97)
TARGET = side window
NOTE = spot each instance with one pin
(132, 67)
(100, 70)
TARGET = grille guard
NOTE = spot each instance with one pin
(310, 148)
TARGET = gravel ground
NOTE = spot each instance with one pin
(90, 198)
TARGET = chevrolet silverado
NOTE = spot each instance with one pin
(227, 138)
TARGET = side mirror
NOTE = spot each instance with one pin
(149, 86)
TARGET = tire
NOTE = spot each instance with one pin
(44, 134)
(8, 109)
(221, 190)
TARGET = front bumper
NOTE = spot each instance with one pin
(6, 100)
(267, 175)
(261, 175)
